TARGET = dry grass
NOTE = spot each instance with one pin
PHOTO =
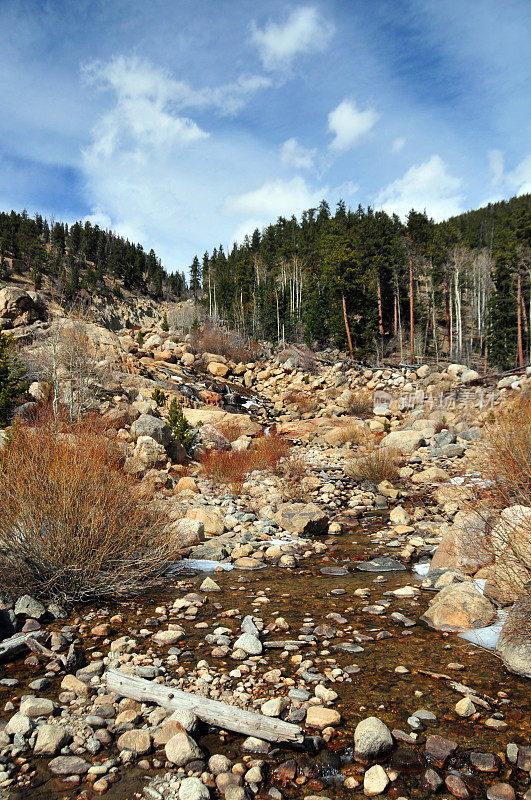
(504, 460)
(231, 429)
(375, 463)
(232, 467)
(72, 524)
(217, 340)
(292, 472)
(303, 401)
(361, 405)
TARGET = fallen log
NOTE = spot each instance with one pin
(214, 712)
(280, 644)
(19, 641)
(480, 699)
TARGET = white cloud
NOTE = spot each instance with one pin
(293, 154)
(153, 174)
(398, 144)
(496, 166)
(275, 198)
(518, 181)
(348, 123)
(305, 31)
(424, 186)
(520, 178)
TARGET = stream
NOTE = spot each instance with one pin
(362, 639)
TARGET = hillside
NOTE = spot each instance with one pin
(358, 280)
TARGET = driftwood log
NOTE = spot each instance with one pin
(229, 718)
(10, 647)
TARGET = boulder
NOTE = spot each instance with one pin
(211, 439)
(404, 441)
(210, 518)
(136, 740)
(372, 740)
(37, 707)
(193, 789)
(18, 307)
(430, 475)
(302, 518)
(320, 717)
(375, 781)
(464, 546)
(50, 739)
(181, 749)
(459, 607)
(27, 606)
(68, 765)
(514, 642)
(147, 425)
(148, 453)
(217, 369)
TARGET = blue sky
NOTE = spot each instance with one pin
(184, 124)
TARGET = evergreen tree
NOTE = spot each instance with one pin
(179, 426)
(13, 383)
(502, 309)
(195, 272)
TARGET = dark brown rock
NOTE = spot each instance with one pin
(501, 791)
(484, 762)
(455, 785)
(438, 750)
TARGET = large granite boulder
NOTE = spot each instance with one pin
(404, 441)
(459, 607)
(514, 643)
(302, 518)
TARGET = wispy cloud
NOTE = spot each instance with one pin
(305, 31)
(349, 124)
(293, 154)
(428, 186)
(275, 198)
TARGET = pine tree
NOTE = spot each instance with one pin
(164, 326)
(179, 426)
(502, 331)
(195, 272)
(13, 383)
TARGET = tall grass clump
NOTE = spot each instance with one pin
(374, 463)
(233, 466)
(503, 498)
(72, 524)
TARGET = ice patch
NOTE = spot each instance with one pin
(202, 564)
(422, 568)
(479, 583)
(486, 637)
(470, 480)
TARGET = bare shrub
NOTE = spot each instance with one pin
(232, 467)
(221, 341)
(503, 498)
(375, 463)
(301, 356)
(303, 401)
(360, 405)
(231, 429)
(72, 524)
(293, 471)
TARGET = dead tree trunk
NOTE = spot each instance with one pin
(229, 718)
(347, 328)
(519, 320)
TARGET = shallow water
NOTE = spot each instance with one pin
(305, 593)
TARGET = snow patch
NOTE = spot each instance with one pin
(487, 637)
(202, 564)
(422, 568)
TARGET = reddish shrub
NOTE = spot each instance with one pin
(72, 523)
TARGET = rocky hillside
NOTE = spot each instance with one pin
(355, 590)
